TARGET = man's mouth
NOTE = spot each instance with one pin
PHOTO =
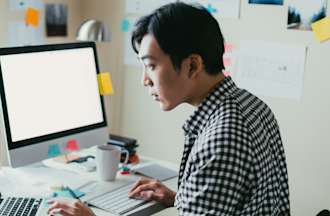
(155, 97)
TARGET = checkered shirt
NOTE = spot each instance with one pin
(233, 161)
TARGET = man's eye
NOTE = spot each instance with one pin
(151, 67)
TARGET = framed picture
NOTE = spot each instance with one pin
(301, 14)
(56, 20)
(273, 2)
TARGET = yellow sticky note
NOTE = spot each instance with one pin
(321, 29)
(105, 84)
(32, 17)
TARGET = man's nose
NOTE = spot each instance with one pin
(146, 81)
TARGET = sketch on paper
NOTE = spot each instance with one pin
(272, 69)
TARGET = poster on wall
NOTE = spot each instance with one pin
(29, 30)
(20, 34)
(16, 5)
(272, 2)
(144, 6)
(222, 9)
(56, 20)
(130, 57)
(272, 69)
(301, 14)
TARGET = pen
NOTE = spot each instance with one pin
(72, 193)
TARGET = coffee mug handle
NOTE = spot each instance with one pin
(127, 155)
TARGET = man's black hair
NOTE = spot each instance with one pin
(181, 30)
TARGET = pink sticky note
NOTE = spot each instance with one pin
(72, 145)
(226, 73)
(228, 47)
(227, 61)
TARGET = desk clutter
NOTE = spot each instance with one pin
(83, 160)
(130, 144)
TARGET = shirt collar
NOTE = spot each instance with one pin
(196, 122)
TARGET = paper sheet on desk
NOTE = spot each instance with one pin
(11, 187)
(36, 181)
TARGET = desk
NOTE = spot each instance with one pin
(35, 180)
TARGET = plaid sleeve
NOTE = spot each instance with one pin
(219, 168)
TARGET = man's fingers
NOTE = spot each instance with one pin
(151, 186)
(141, 181)
(57, 205)
(58, 211)
(152, 195)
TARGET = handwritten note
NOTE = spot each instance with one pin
(321, 29)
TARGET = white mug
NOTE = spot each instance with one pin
(107, 161)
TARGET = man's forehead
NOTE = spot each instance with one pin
(149, 47)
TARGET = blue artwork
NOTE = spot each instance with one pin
(274, 2)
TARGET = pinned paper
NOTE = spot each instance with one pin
(54, 150)
(17, 4)
(72, 145)
(32, 17)
(125, 25)
(321, 29)
(105, 84)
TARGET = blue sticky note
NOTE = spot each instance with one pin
(125, 25)
(54, 150)
(211, 9)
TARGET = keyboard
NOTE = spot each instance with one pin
(116, 201)
(19, 206)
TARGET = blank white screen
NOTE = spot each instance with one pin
(49, 92)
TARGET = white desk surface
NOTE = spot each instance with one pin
(37, 179)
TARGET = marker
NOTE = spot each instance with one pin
(72, 193)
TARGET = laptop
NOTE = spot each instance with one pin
(26, 206)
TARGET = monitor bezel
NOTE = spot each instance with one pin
(44, 48)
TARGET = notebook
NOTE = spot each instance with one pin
(156, 171)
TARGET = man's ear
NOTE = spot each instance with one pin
(195, 65)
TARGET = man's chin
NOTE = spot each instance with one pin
(165, 107)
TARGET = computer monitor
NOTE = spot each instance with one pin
(49, 97)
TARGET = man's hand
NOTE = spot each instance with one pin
(149, 189)
(69, 207)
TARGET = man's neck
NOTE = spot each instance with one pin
(205, 86)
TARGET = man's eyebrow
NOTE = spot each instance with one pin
(146, 57)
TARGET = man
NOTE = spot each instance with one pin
(233, 161)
